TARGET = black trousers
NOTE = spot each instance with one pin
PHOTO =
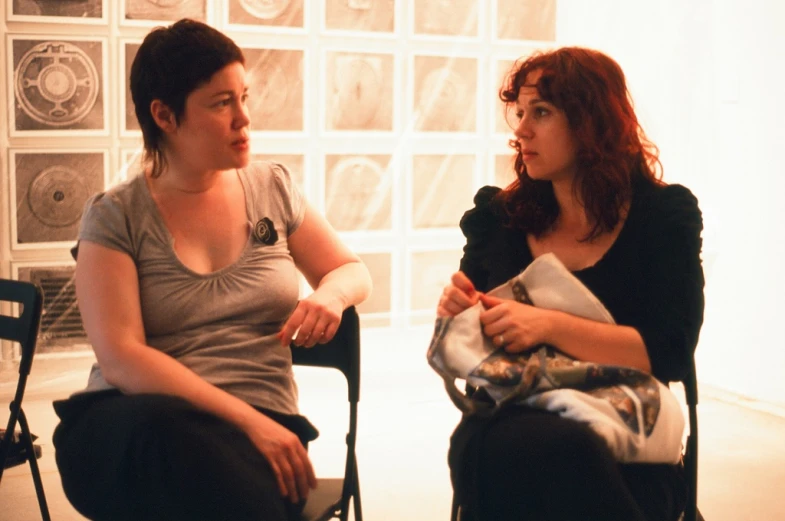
(527, 464)
(155, 457)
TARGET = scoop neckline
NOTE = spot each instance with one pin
(605, 255)
(170, 238)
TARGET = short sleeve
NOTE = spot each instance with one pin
(674, 300)
(292, 200)
(104, 222)
(479, 226)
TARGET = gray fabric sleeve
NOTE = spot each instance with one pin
(292, 200)
(104, 222)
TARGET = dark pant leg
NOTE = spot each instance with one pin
(660, 490)
(534, 465)
(156, 457)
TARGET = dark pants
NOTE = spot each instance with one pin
(526, 464)
(155, 457)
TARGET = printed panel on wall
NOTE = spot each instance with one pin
(359, 91)
(376, 309)
(61, 326)
(129, 125)
(294, 163)
(453, 18)
(358, 191)
(255, 15)
(376, 16)
(442, 189)
(153, 12)
(58, 85)
(58, 11)
(504, 119)
(503, 169)
(429, 273)
(130, 159)
(445, 94)
(275, 89)
(50, 189)
(525, 20)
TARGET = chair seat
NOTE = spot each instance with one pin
(324, 500)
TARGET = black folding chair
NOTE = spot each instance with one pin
(690, 457)
(331, 499)
(24, 329)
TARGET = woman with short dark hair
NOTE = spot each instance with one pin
(188, 286)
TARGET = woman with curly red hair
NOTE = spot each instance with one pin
(588, 190)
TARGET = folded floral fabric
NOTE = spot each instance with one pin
(637, 415)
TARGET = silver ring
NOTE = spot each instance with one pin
(500, 339)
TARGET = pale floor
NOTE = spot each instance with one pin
(405, 420)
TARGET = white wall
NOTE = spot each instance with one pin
(708, 78)
(743, 345)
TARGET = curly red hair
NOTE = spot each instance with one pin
(613, 150)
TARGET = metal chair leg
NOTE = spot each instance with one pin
(5, 447)
(39, 486)
(455, 511)
(358, 509)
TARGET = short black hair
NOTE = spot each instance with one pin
(171, 63)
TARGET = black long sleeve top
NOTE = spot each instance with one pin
(651, 278)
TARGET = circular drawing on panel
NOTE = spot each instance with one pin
(272, 91)
(265, 9)
(57, 195)
(442, 91)
(357, 193)
(437, 15)
(357, 86)
(56, 84)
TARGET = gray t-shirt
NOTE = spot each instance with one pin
(221, 325)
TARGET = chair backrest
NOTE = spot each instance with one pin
(22, 329)
(342, 352)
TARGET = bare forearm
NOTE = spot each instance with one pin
(350, 283)
(597, 342)
(140, 369)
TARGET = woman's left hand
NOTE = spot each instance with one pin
(315, 321)
(513, 325)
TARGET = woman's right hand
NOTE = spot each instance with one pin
(457, 296)
(286, 455)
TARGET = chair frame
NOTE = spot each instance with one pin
(689, 458)
(342, 353)
(24, 330)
